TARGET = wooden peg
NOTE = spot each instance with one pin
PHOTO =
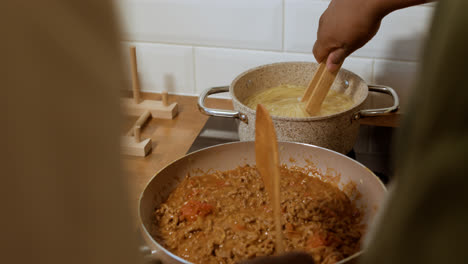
(137, 133)
(132, 148)
(135, 81)
(131, 143)
(319, 88)
(135, 106)
(164, 96)
(139, 122)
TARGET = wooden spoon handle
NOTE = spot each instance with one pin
(318, 88)
(313, 82)
(276, 200)
(267, 158)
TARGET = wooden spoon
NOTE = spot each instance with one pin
(266, 155)
(318, 88)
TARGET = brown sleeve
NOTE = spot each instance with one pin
(62, 196)
(426, 219)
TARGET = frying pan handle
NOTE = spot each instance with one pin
(218, 112)
(380, 111)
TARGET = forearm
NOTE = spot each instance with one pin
(384, 7)
(347, 25)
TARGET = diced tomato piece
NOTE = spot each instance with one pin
(205, 209)
(316, 240)
(188, 211)
(239, 227)
(192, 209)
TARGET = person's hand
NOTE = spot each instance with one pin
(289, 258)
(345, 26)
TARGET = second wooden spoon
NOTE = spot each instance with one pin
(267, 159)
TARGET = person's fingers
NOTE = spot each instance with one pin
(320, 50)
(295, 257)
(335, 59)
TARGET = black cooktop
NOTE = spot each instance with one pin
(372, 149)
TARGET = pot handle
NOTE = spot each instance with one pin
(218, 112)
(380, 111)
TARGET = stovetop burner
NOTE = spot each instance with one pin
(372, 148)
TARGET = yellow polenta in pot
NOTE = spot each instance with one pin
(285, 100)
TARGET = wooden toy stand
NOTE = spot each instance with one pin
(131, 143)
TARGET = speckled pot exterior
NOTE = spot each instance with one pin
(336, 132)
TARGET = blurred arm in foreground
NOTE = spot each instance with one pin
(62, 195)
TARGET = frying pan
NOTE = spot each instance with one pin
(229, 156)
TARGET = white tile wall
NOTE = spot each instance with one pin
(300, 24)
(218, 67)
(190, 45)
(400, 36)
(253, 24)
(161, 67)
(399, 75)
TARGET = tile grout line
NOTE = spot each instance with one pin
(265, 50)
(197, 45)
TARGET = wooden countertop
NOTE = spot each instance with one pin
(172, 139)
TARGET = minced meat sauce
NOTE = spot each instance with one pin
(225, 217)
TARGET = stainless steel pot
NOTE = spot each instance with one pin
(229, 156)
(337, 131)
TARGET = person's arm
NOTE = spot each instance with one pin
(347, 25)
(388, 6)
